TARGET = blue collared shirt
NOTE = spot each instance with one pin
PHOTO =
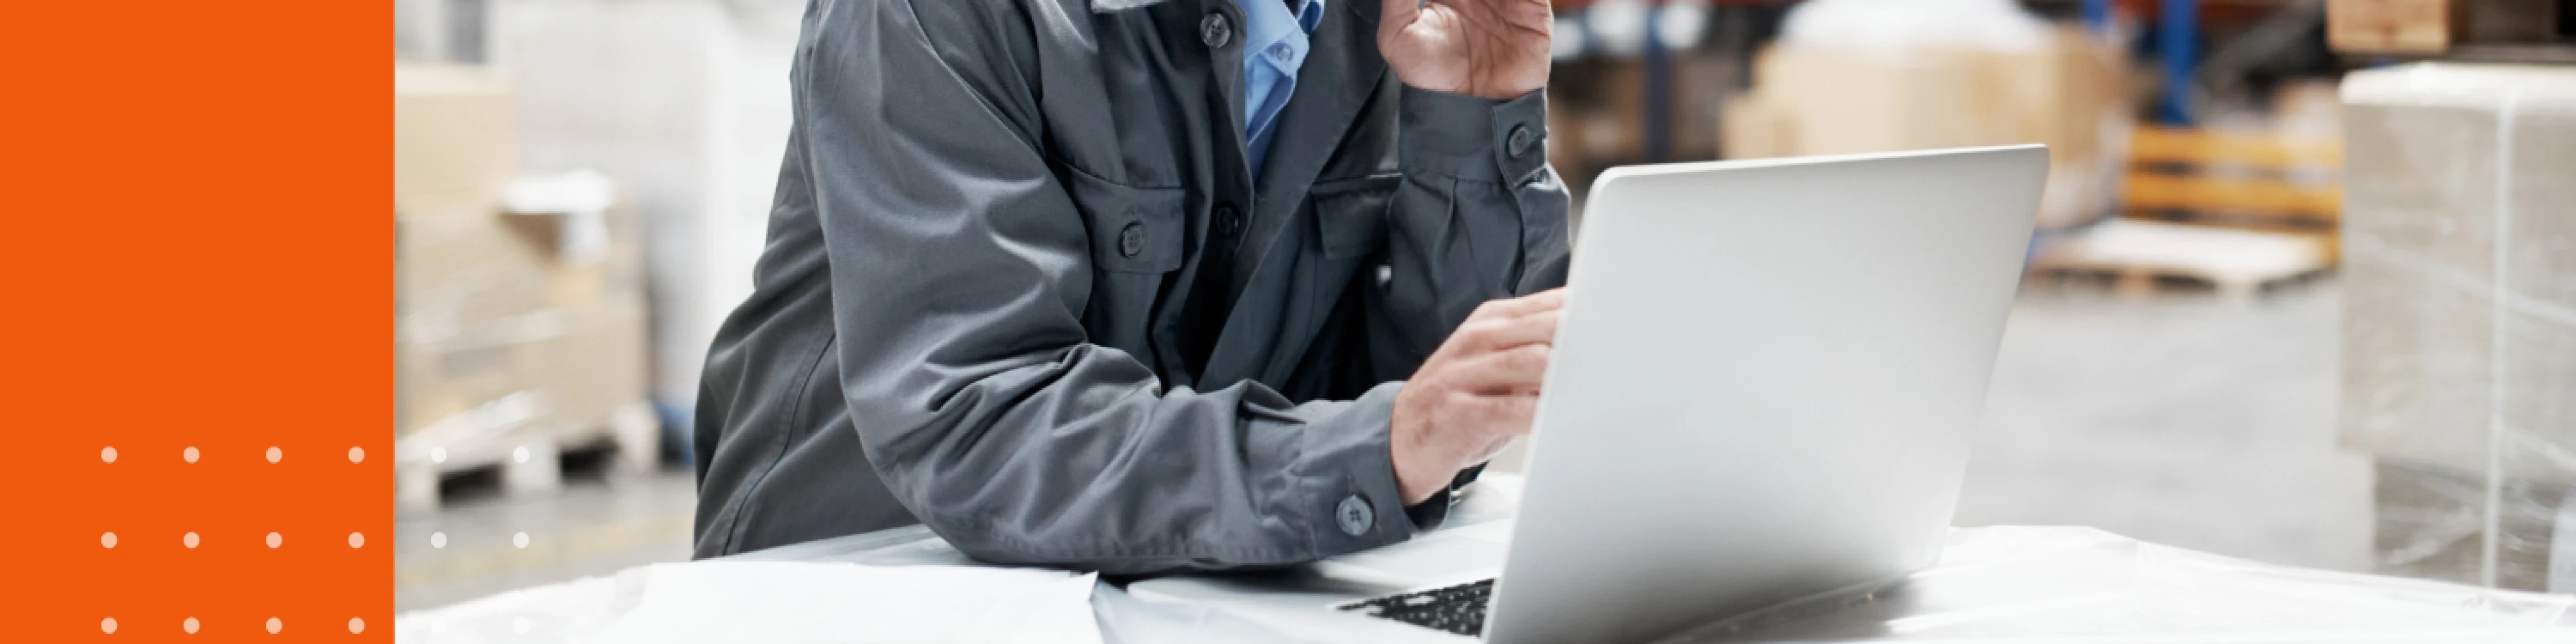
(1274, 48)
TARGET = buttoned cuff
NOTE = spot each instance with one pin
(1477, 139)
(1353, 496)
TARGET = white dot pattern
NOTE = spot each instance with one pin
(438, 454)
(274, 454)
(519, 454)
(519, 539)
(438, 539)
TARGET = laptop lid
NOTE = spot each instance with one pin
(1763, 385)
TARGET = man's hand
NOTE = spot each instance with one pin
(1494, 49)
(1474, 394)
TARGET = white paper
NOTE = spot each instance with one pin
(785, 602)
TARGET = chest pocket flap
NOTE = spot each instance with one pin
(1133, 230)
(1350, 214)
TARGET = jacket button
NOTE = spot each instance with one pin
(1215, 30)
(1131, 240)
(1520, 141)
(1355, 515)
(1228, 220)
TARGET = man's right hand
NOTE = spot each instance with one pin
(1474, 394)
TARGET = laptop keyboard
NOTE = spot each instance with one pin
(1458, 609)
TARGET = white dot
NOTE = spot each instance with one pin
(357, 625)
(190, 539)
(356, 455)
(107, 540)
(438, 454)
(190, 454)
(274, 454)
(107, 455)
(190, 626)
(107, 625)
(438, 539)
(274, 539)
(519, 539)
(274, 626)
(519, 454)
(356, 540)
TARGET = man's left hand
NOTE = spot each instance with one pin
(1493, 49)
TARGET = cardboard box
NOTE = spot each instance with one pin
(1816, 100)
(484, 300)
(2435, 26)
(453, 137)
(2394, 26)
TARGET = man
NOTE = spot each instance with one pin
(1140, 285)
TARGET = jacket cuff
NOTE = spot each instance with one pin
(1351, 493)
(1494, 141)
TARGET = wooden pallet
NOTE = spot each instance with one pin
(2136, 258)
(528, 459)
(2247, 180)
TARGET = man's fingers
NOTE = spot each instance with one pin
(1515, 370)
(1505, 333)
(1547, 300)
(1398, 13)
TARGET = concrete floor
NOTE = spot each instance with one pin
(2188, 421)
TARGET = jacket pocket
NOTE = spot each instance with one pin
(1350, 214)
(1133, 230)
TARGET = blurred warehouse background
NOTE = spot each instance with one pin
(2305, 290)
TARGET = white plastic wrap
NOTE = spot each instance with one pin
(1994, 584)
(2460, 317)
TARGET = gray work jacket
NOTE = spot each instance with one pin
(1022, 287)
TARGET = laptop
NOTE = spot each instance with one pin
(1762, 391)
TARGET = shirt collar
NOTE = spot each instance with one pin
(1267, 22)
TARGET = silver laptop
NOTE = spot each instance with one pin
(1762, 391)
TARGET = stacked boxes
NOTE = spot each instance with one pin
(1811, 99)
(512, 329)
(2460, 323)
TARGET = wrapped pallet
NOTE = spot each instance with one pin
(2460, 322)
(519, 319)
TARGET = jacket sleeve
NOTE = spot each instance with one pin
(959, 272)
(1478, 216)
